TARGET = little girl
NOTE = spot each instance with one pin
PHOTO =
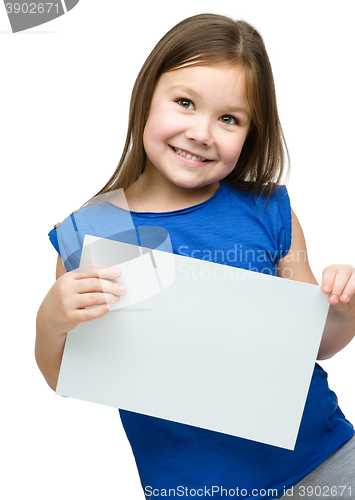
(203, 158)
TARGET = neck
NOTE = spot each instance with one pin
(147, 196)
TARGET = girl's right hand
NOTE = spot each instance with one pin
(64, 307)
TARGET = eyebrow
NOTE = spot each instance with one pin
(232, 109)
(183, 89)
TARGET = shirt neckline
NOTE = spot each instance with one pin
(180, 211)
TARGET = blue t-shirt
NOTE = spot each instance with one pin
(234, 228)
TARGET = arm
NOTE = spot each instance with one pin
(64, 307)
(49, 348)
(338, 282)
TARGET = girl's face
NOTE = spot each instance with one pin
(197, 125)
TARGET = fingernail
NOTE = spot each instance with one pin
(117, 273)
(116, 298)
(334, 298)
(122, 289)
(345, 296)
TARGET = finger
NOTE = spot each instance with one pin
(89, 285)
(349, 290)
(84, 315)
(342, 276)
(94, 299)
(111, 273)
(328, 278)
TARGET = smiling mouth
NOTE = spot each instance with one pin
(181, 152)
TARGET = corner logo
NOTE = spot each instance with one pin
(27, 14)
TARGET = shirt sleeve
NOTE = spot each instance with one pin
(67, 241)
(53, 238)
(285, 226)
(103, 220)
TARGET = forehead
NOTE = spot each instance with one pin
(225, 82)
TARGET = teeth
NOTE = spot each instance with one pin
(181, 152)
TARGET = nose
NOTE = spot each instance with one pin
(199, 131)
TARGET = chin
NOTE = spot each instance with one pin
(189, 185)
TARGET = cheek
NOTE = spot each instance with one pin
(146, 137)
(156, 131)
(232, 153)
(150, 137)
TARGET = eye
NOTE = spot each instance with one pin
(229, 120)
(185, 103)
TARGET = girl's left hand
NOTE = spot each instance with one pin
(339, 282)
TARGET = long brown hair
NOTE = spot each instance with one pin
(210, 40)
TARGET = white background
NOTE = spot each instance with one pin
(64, 92)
